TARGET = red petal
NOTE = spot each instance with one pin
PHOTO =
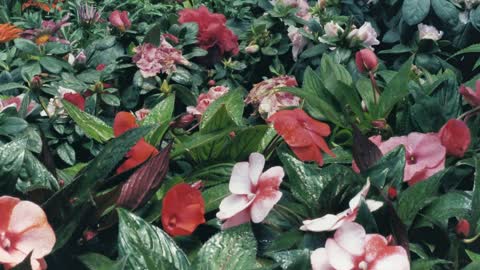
(123, 121)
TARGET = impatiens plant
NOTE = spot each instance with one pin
(239, 134)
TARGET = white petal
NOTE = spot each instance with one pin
(274, 176)
(240, 181)
(351, 237)
(256, 163)
(319, 260)
(339, 258)
(355, 201)
(373, 205)
(232, 205)
(262, 205)
(328, 222)
(393, 261)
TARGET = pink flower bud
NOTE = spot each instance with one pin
(455, 136)
(184, 121)
(366, 60)
(36, 83)
(211, 83)
(120, 20)
(463, 228)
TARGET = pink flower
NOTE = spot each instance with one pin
(429, 32)
(141, 114)
(16, 102)
(424, 154)
(455, 136)
(366, 60)
(332, 29)
(152, 60)
(331, 222)
(298, 41)
(365, 34)
(351, 248)
(120, 20)
(55, 104)
(205, 99)
(24, 228)
(472, 97)
(253, 193)
(267, 97)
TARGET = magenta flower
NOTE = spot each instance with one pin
(331, 222)
(24, 228)
(152, 60)
(205, 99)
(120, 20)
(472, 97)
(253, 193)
(351, 248)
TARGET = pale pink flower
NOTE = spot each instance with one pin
(331, 222)
(142, 113)
(120, 20)
(217, 91)
(366, 34)
(24, 228)
(429, 32)
(298, 41)
(16, 102)
(152, 60)
(205, 99)
(267, 97)
(472, 97)
(332, 29)
(253, 193)
(352, 248)
(302, 6)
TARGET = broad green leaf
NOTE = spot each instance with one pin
(197, 140)
(472, 266)
(475, 257)
(34, 175)
(331, 71)
(67, 153)
(95, 261)
(423, 264)
(93, 127)
(214, 195)
(11, 86)
(52, 64)
(453, 204)
(414, 11)
(11, 160)
(416, 197)
(147, 246)
(233, 104)
(446, 11)
(475, 48)
(12, 125)
(218, 121)
(212, 175)
(26, 46)
(232, 249)
(388, 170)
(161, 115)
(249, 140)
(293, 259)
(476, 192)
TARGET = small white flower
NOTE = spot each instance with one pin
(366, 34)
(429, 32)
(332, 29)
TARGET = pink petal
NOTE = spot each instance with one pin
(232, 205)
(427, 148)
(26, 215)
(319, 260)
(41, 240)
(355, 201)
(328, 222)
(272, 177)
(263, 204)
(240, 218)
(239, 181)
(391, 258)
(338, 257)
(7, 204)
(373, 205)
(392, 143)
(351, 237)
(256, 163)
(374, 244)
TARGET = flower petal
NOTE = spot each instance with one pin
(240, 218)
(328, 222)
(39, 239)
(7, 204)
(240, 180)
(232, 205)
(26, 215)
(256, 162)
(319, 260)
(338, 257)
(351, 237)
(374, 244)
(263, 204)
(391, 258)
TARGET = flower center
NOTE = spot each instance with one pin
(42, 39)
(4, 241)
(411, 159)
(363, 265)
(172, 222)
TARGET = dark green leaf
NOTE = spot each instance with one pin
(11, 160)
(414, 11)
(94, 261)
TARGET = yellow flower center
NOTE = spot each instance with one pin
(42, 39)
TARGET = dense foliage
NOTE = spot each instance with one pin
(240, 134)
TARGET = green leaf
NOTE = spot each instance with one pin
(218, 121)
(446, 11)
(11, 160)
(423, 264)
(452, 204)
(414, 11)
(232, 249)
(388, 170)
(147, 247)
(93, 127)
(475, 48)
(34, 175)
(233, 104)
(26, 46)
(12, 125)
(475, 257)
(51, 64)
(160, 114)
(213, 174)
(395, 91)
(95, 261)
(249, 140)
(110, 99)
(67, 153)
(11, 86)
(293, 259)
(476, 192)
(214, 195)
(198, 140)
(472, 266)
(416, 197)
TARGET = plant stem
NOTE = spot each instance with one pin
(374, 87)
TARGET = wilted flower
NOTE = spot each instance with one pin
(152, 60)
(429, 32)
(16, 102)
(366, 60)
(205, 99)
(298, 41)
(213, 34)
(142, 113)
(253, 193)
(352, 248)
(9, 32)
(183, 209)
(88, 14)
(303, 134)
(331, 222)
(455, 136)
(332, 29)
(120, 20)
(267, 97)
(48, 32)
(24, 229)
(472, 97)
(141, 151)
(183, 121)
(365, 34)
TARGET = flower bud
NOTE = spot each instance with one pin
(211, 83)
(392, 193)
(366, 60)
(463, 228)
(36, 83)
(120, 20)
(455, 136)
(379, 123)
(252, 48)
(184, 121)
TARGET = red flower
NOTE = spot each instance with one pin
(455, 136)
(76, 99)
(101, 67)
(212, 31)
(141, 151)
(366, 60)
(183, 210)
(120, 20)
(463, 228)
(303, 134)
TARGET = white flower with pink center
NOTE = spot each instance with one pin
(253, 193)
(352, 249)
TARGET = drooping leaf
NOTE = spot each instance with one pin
(365, 152)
